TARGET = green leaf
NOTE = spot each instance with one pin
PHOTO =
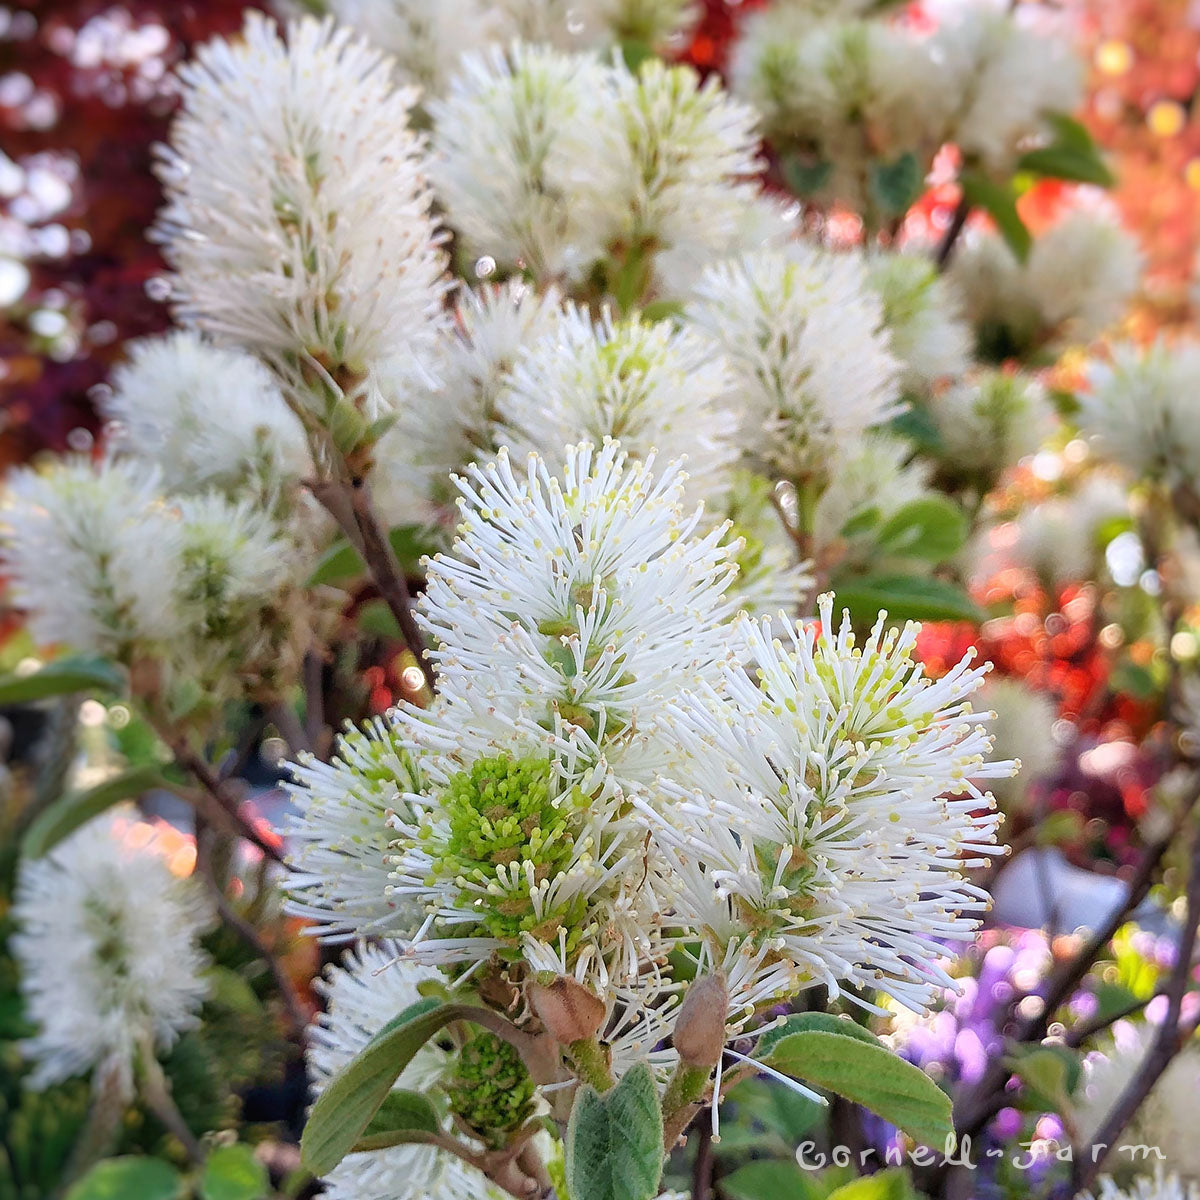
(896, 185)
(1050, 1074)
(862, 522)
(378, 620)
(916, 424)
(69, 812)
(999, 201)
(229, 990)
(614, 1141)
(892, 1184)
(129, 1178)
(233, 1173)
(1072, 155)
(770, 1179)
(342, 563)
(61, 677)
(805, 178)
(817, 1022)
(930, 528)
(404, 1110)
(904, 598)
(351, 1099)
(867, 1073)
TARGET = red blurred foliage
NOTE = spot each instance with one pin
(85, 92)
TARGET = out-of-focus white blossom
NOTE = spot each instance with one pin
(988, 421)
(446, 401)
(1162, 1120)
(920, 312)
(1002, 77)
(827, 814)
(91, 553)
(1142, 409)
(580, 24)
(362, 996)
(1020, 730)
(847, 95)
(108, 947)
(209, 417)
(340, 835)
(1160, 1186)
(510, 157)
(1078, 280)
(644, 383)
(803, 335)
(298, 214)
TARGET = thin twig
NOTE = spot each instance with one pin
(953, 230)
(1167, 1042)
(702, 1167)
(1086, 1030)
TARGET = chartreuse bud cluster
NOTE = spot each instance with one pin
(491, 1092)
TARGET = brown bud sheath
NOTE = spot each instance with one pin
(700, 1026)
(568, 1010)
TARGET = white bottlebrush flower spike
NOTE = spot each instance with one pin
(446, 401)
(828, 814)
(507, 145)
(926, 330)
(339, 835)
(1003, 78)
(802, 333)
(989, 421)
(108, 946)
(207, 416)
(374, 985)
(298, 214)
(91, 553)
(1142, 409)
(651, 387)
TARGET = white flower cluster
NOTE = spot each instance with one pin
(598, 778)
(559, 162)
(298, 213)
(1078, 280)
(108, 947)
(1142, 410)
(1160, 1186)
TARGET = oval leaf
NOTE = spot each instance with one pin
(904, 598)
(883, 1185)
(930, 528)
(771, 1179)
(233, 1173)
(999, 201)
(404, 1111)
(60, 819)
(351, 1099)
(614, 1141)
(869, 1075)
(129, 1179)
(60, 678)
(815, 1021)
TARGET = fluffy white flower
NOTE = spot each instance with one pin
(843, 94)
(426, 40)
(92, 554)
(829, 814)
(667, 162)
(927, 333)
(1078, 280)
(578, 24)
(1143, 410)
(874, 480)
(989, 421)
(1020, 730)
(339, 835)
(575, 603)
(446, 401)
(298, 215)
(1004, 77)
(507, 143)
(655, 23)
(107, 945)
(1145, 1187)
(802, 333)
(650, 386)
(206, 415)
(362, 996)
(1162, 1119)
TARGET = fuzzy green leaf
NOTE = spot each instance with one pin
(895, 186)
(771, 1179)
(817, 1022)
(867, 1073)
(614, 1141)
(69, 812)
(346, 1107)
(904, 598)
(233, 1173)
(999, 201)
(404, 1110)
(883, 1185)
(931, 528)
(1072, 155)
(129, 1178)
(61, 677)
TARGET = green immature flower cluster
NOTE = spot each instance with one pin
(491, 1092)
(506, 833)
